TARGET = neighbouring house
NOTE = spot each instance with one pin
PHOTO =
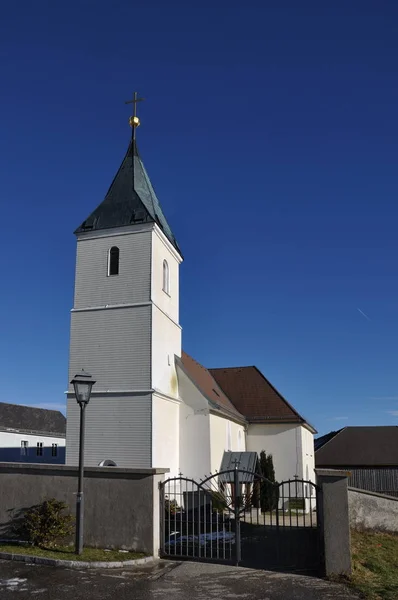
(370, 454)
(33, 435)
(152, 404)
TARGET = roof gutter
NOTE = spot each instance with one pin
(276, 419)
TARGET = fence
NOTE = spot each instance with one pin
(383, 480)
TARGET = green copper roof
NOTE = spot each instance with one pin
(130, 199)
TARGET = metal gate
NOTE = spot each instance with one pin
(239, 517)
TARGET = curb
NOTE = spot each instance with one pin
(75, 564)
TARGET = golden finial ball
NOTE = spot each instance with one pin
(134, 122)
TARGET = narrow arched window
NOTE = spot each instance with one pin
(166, 277)
(113, 261)
(229, 435)
(240, 440)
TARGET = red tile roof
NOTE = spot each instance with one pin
(208, 385)
(254, 396)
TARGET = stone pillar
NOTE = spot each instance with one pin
(157, 479)
(334, 521)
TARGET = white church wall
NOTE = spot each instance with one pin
(118, 428)
(11, 450)
(195, 461)
(166, 343)
(165, 434)
(224, 435)
(308, 454)
(163, 250)
(284, 442)
(93, 286)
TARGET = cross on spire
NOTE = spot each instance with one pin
(134, 120)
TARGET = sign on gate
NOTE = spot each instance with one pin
(239, 517)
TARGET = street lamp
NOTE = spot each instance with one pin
(82, 383)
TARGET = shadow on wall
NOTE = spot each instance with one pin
(46, 457)
(10, 529)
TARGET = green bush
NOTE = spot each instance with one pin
(46, 524)
(171, 506)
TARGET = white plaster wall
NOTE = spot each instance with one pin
(165, 438)
(162, 250)
(166, 343)
(10, 447)
(195, 461)
(224, 433)
(308, 454)
(284, 442)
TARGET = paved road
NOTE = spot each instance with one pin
(161, 581)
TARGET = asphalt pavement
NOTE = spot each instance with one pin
(160, 581)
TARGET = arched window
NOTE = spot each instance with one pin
(240, 440)
(113, 261)
(166, 277)
(107, 463)
(229, 435)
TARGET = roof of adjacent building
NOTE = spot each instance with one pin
(321, 441)
(208, 385)
(254, 396)
(130, 199)
(359, 447)
(29, 418)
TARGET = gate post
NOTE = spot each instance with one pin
(162, 522)
(158, 511)
(237, 496)
(334, 520)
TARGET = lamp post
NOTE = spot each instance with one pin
(82, 383)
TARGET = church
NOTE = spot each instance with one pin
(153, 405)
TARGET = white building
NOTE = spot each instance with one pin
(33, 435)
(153, 405)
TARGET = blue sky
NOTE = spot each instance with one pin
(270, 133)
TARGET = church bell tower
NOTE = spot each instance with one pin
(125, 325)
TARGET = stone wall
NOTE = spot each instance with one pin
(121, 505)
(372, 511)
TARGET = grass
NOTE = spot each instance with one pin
(375, 565)
(67, 553)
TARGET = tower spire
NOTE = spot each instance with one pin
(134, 120)
(131, 198)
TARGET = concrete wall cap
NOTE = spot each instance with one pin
(332, 473)
(64, 469)
(370, 493)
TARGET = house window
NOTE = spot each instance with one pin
(113, 261)
(39, 449)
(24, 448)
(54, 450)
(166, 277)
